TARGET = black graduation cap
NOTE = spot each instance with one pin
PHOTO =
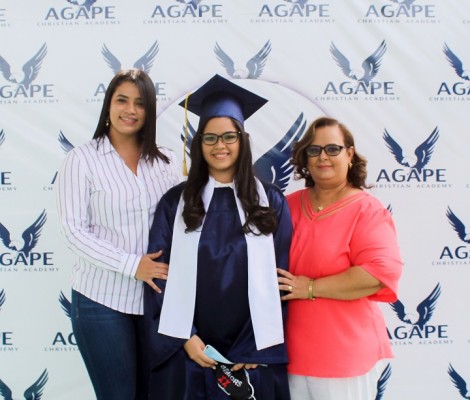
(219, 97)
(236, 384)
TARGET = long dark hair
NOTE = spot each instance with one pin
(264, 218)
(146, 137)
(357, 174)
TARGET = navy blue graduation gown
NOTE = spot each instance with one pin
(222, 314)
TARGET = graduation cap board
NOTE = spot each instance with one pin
(236, 384)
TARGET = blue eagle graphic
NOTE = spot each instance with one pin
(423, 152)
(254, 66)
(34, 392)
(65, 145)
(455, 62)
(458, 226)
(193, 3)
(406, 3)
(458, 382)
(2, 137)
(30, 236)
(86, 4)
(65, 304)
(30, 69)
(144, 63)
(425, 309)
(273, 166)
(382, 382)
(2, 298)
(370, 66)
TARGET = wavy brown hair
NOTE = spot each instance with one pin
(263, 218)
(146, 137)
(357, 174)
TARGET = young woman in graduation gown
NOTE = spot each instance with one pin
(223, 232)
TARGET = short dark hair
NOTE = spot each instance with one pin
(357, 174)
(147, 135)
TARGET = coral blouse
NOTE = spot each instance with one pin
(341, 338)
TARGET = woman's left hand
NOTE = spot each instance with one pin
(295, 286)
(148, 269)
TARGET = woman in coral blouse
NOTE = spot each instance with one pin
(344, 258)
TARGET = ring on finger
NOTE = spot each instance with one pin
(290, 288)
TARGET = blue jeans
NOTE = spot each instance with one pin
(108, 342)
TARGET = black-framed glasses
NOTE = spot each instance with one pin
(227, 137)
(330, 149)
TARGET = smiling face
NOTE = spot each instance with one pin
(329, 170)
(221, 158)
(126, 112)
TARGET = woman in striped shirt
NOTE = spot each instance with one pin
(107, 192)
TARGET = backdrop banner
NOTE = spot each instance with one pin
(396, 72)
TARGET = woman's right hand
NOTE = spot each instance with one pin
(296, 287)
(148, 269)
(195, 349)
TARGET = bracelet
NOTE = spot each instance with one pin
(310, 289)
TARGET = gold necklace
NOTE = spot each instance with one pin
(333, 199)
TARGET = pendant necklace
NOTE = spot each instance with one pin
(335, 197)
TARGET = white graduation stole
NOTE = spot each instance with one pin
(177, 313)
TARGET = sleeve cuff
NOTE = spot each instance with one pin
(129, 265)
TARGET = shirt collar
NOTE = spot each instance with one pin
(105, 146)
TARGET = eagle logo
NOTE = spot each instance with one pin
(301, 3)
(370, 66)
(422, 153)
(30, 236)
(86, 4)
(425, 309)
(273, 166)
(65, 145)
(65, 304)
(406, 3)
(382, 382)
(458, 226)
(144, 63)
(30, 69)
(34, 392)
(254, 66)
(193, 3)
(458, 382)
(455, 62)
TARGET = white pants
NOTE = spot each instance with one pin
(362, 387)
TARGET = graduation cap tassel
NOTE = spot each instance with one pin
(185, 166)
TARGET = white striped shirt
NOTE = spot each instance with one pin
(105, 213)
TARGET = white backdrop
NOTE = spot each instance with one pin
(391, 70)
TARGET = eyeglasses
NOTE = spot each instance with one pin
(211, 139)
(330, 149)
